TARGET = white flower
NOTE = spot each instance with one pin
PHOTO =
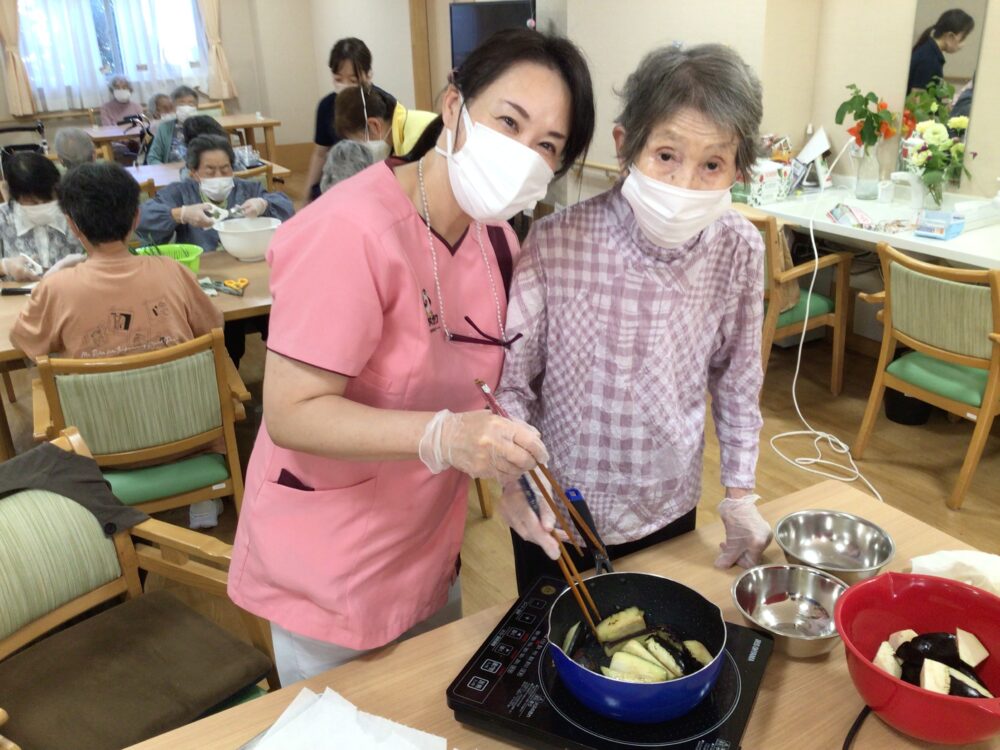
(958, 123)
(920, 158)
(936, 134)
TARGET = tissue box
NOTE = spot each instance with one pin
(769, 182)
(939, 225)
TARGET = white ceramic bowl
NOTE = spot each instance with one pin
(247, 239)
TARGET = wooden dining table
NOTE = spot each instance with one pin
(802, 703)
(218, 266)
(104, 135)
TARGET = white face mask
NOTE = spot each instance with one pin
(379, 149)
(42, 214)
(494, 177)
(217, 188)
(339, 87)
(185, 111)
(669, 216)
(122, 95)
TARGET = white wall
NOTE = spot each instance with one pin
(384, 25)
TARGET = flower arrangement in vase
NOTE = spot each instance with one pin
(873, 121)
(936, 152)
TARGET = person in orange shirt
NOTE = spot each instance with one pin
(113, 303)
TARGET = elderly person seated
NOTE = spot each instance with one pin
(120, 105)
(168, 141)
(185, 209)
(345, 159)
(207, 125)
(160, 107)
(74, 147)
(33, 229)
(370, 116)
(654, 291)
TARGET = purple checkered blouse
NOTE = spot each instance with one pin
(621, 341)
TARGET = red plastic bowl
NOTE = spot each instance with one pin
(869, 611)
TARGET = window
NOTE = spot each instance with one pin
(72, 48)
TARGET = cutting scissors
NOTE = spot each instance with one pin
(234, 286)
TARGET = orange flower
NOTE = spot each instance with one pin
(887, 130)
(909, 123)
(883, 105)
(856, 132)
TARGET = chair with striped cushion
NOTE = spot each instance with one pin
(950, 318)
(167, 411)
(811, 311)
(137, 665)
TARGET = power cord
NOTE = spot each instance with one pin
(808, 463)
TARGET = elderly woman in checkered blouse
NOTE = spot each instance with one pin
(635, 304)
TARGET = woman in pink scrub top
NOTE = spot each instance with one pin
(390, 298)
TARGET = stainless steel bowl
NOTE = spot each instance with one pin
(793, 603)
(845, 545)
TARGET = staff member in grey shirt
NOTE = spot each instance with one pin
(183, 209)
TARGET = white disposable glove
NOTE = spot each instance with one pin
(747, 533)
(198, 215)
(253, 207)
(17, 269)
(481, 445)
(518, 514)
(68, 262)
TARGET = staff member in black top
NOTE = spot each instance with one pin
(351, 65)
(947, 35)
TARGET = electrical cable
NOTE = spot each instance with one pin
(807, 463)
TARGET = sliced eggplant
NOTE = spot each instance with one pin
(636, 648)
(970, 649)
(664, 657)
(911, 671)
(885, 659)
(935, 676)
(900, 637)
(636, 666)
(569, 642)
(616, 675)
(966, 687)
(699, 652)
(941, 647)
(621, 624)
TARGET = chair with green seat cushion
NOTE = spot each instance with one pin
(134, 669)
(160, 423)
(951, 319)
(821, 310)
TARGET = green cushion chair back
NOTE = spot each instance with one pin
(130, 410)
(947, 314)
(52, 550)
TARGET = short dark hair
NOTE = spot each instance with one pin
(350, 108)
(202, 143)
(182, 91)
(353, 50)
(202, 125)
(102, 199)
(30, 174)
(503, 50)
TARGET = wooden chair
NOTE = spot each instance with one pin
(147, 190)
(94, 116)
(950, 318)
(134, 669)
(264, 174)
(821, 311)
(212, 108)
(158, 408)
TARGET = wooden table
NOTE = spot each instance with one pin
(169, 173)
(220, 265)
(104, 135)
(802, 703)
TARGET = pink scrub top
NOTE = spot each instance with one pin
(356, 552)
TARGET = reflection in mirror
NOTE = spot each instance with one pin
(947, 36)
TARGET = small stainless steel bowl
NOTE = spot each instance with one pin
(793, 603)
(849, 547)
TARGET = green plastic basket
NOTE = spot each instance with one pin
(188, 255)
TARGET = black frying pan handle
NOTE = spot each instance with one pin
(602, 564)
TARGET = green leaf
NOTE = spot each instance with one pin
(933, 177)
(872, 97)
(869, 133)
(842, 112)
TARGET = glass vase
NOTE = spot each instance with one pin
(866, 184)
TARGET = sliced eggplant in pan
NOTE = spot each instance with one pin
(699, 652)
(636, 666)
(621, 625)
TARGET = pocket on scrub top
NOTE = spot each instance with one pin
(302, 538)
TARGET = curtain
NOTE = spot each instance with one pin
(220, 81)
(61, 54)
(15, 76)
(162, 45)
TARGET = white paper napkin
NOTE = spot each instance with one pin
(976, 568)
